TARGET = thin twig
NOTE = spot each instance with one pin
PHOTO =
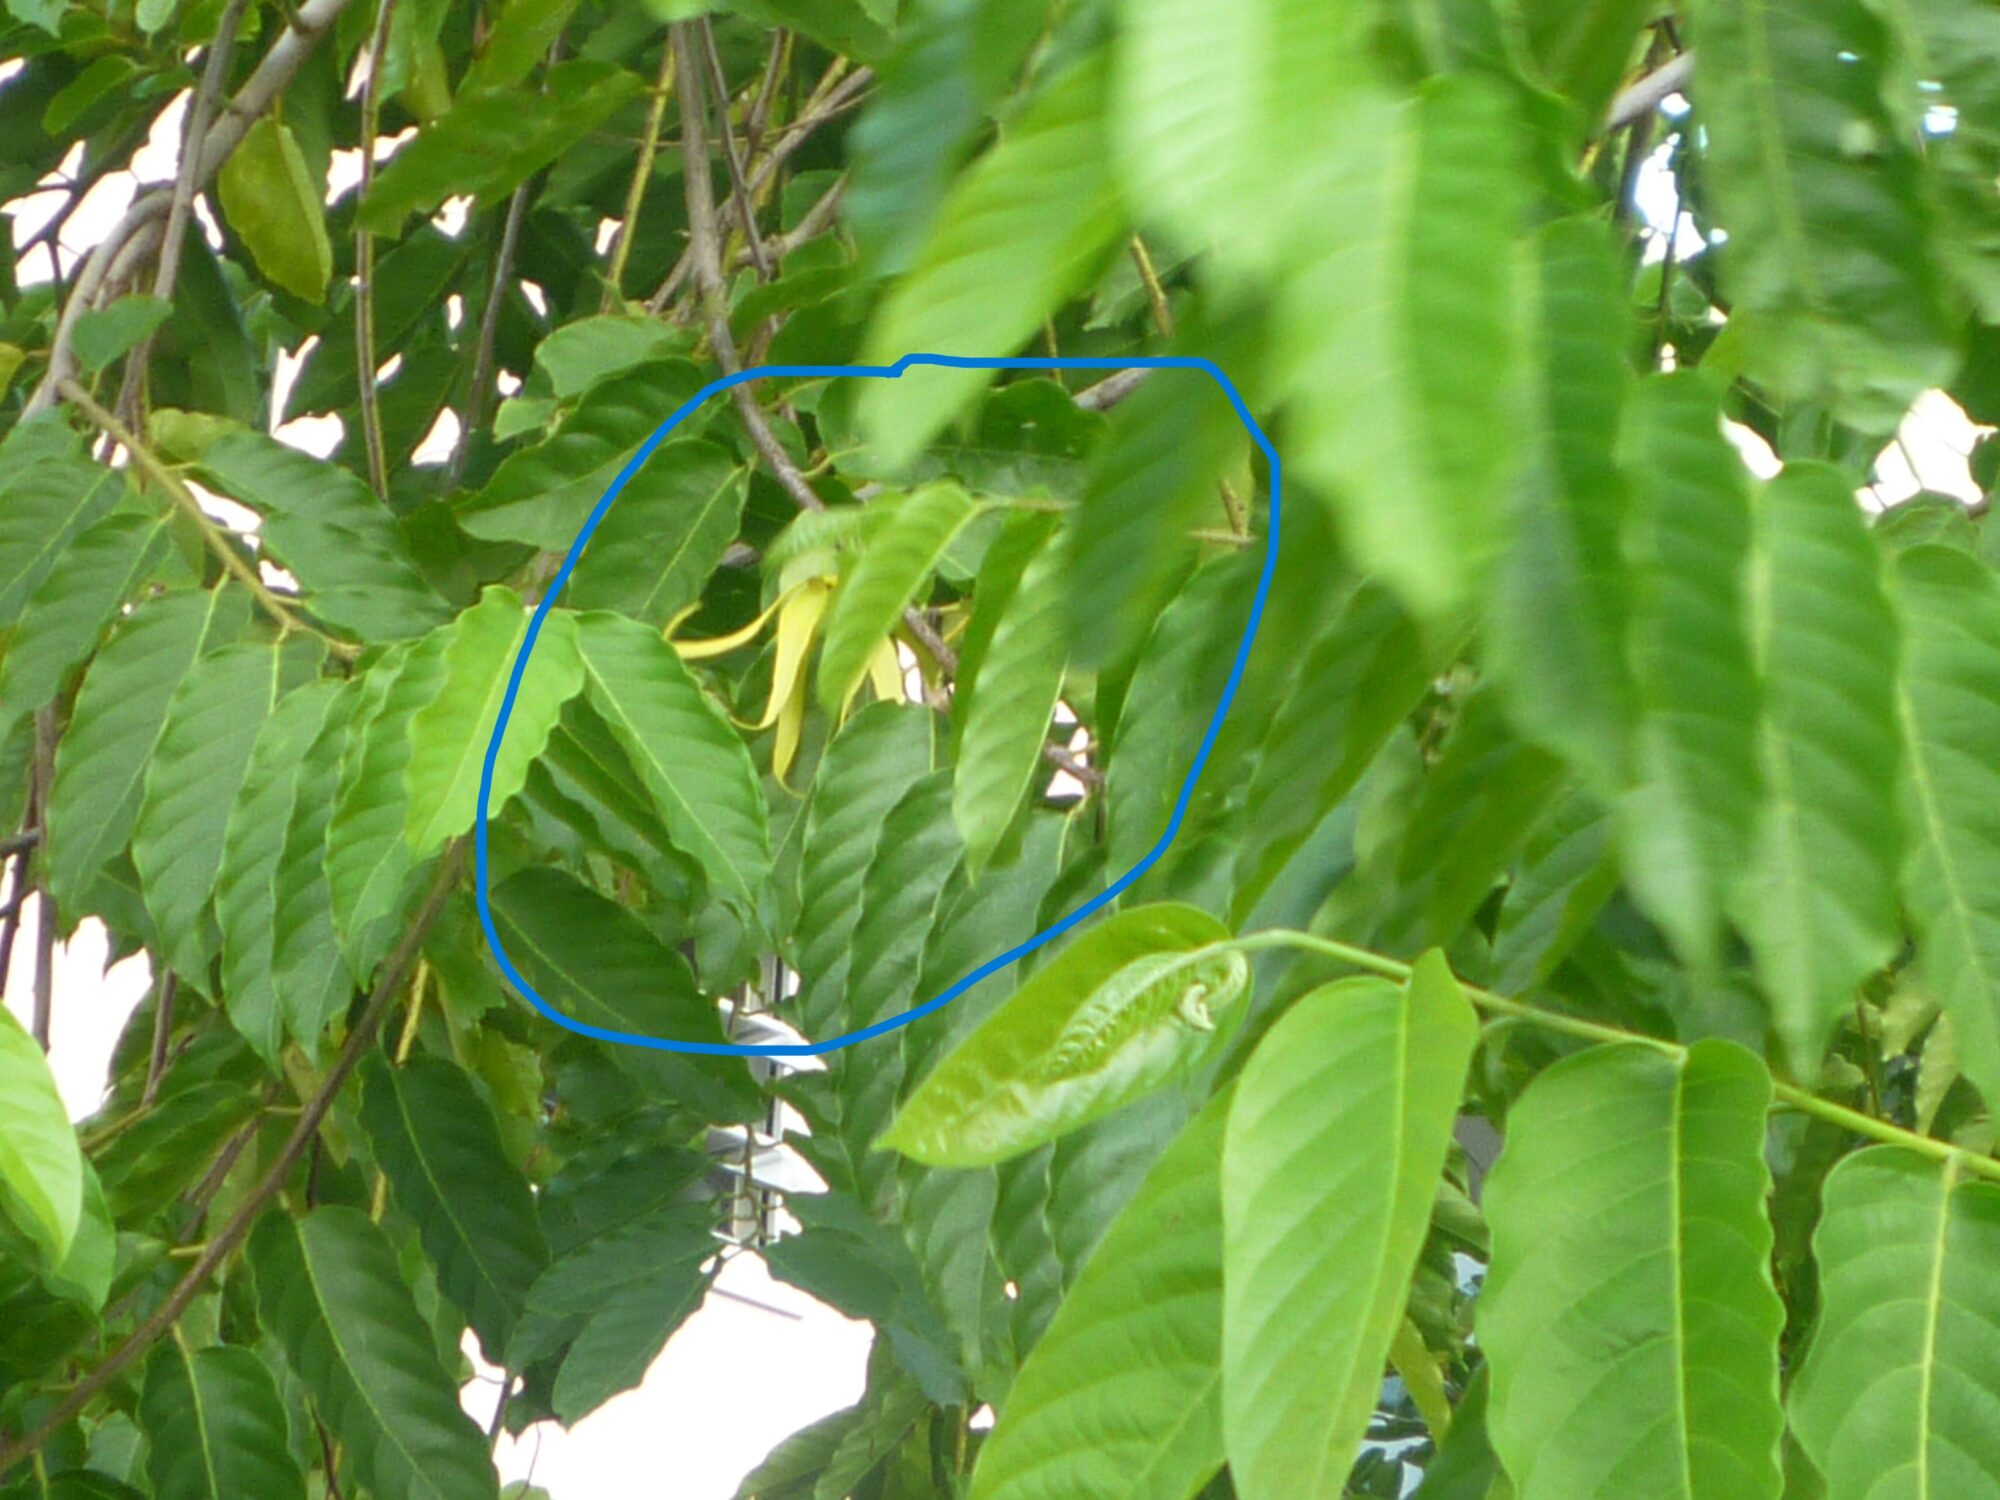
(746, 213)
(489, 332)
(364, 258)
(20, 843)
(163, 1031)
(1648, 93)
(223, 1243)
(10, 915)
(1111, 390)
(635, 195)
(218, 541)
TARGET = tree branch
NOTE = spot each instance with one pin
(232, 1234)
(364, 259)
(1645, 95)
(45, 911)
(642, 175)
(739, 194)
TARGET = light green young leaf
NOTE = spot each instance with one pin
(1630, 1197)
(253, 840)
(41, 1169)
(1687, 821)
(1950, 708)
(192, 780)
(270, 199)
(653, 553)
(895, 561)
(1831, 264)
(115, 728)
(1892, 1396)
(1400, 339)
(437, 1143)
(70, 608)
(1818, 901)
(215, 1426)
(1123, 1392)
(1338, 1134)
(450, 732)
(695, 767)
(329, 531)
(1020, 677)
(1024, 228)
(1122, 1009)
(329, 1290)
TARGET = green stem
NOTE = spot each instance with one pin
(1955, 1158)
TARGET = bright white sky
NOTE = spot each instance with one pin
(737, 1378)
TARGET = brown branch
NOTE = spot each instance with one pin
(364, 258)
(1645, 95)
(739, 194)
(224, 1242)
(489, 332)
(45, 911)
(1108, 392)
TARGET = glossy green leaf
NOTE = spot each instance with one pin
(270, 199)
(253, 841)
(215, 1426)
(491, 141)
(878, 754)
(104, 333)
(1892, 1396)
(328, 1289)
(1830, 264)
(1023, 229)
(1631, 1275)
(518, 42)
(1568, 870)
(70, 608)
(1819, 899)
(331, 533)
(1123, 1392)
(44, 505)
(1400, 340)
(1950, 708)
(542, 495)
(311, 981)
(121, 709)
(695, 767)
(1336, 1139)
(1122, 1009)
(449, 733)
(41, 1169)
(1020, 678)
(895, 562)
(438, 1145)
(664, 535)
(192, 780)
(1687, 822)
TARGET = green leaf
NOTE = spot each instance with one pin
(329, 531)
(1122, 1009)
(450, 732)
(215, 1426)
(1818, 901)
(192, 780)
(1630, 1276)
(542, 495)
(1568, 870)
(1020, 677)
(1024, 229)
(1400, 340)
(69, 609)
(44, 505)
(874, 759)
(652, 555)
(328, 1289)
(1335, 1144)
(104, 333)
(1900, 1370)
(270, 199)
(896, 559)
(121, 709)
(1357, 683)
(41, 1169)
(490, 142)
(1563, 591)
(695, 767)
(253, 840)
(1950, 707)
(437, 1143)
(1687, 822)
(311, 982)
(1583, 48)
(1123, 1393)
(1830, 264)
(517, 43)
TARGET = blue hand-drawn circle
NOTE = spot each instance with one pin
(1096, 903)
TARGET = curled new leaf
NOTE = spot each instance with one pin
(1126, 1007)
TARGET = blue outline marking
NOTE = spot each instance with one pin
(1108, 894)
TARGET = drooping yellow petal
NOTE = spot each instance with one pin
(721, 645)
(798, 621)
(786, 744)
(885, 672)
